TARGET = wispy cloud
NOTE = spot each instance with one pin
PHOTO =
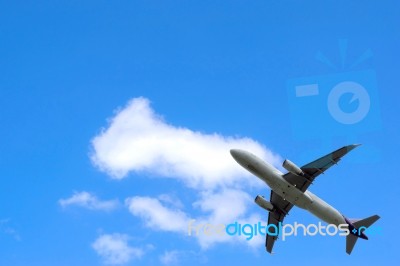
(89, 201)
(6, 228)
(115, 250)
(224, 207)
(219, 207)
(171, 200)
(157, 216)
(138, 139)
(170, 257)
(181, 257)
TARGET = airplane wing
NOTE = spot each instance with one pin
(281, 209)
(317, 167)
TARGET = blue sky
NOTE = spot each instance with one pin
(102, 103)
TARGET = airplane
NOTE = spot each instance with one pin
(291, 189)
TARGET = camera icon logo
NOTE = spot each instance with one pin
(339, 106)
(359, 93)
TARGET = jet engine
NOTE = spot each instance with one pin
(266, 205)
(291, 167)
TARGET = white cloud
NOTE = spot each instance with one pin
(137, 139)
(114, 249)
(220, 207)
(170, 257)
(171, 200)
(7, 229)
(87, 200)
(157, 216)
(225, 207)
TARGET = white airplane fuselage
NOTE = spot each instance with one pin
(274, 179)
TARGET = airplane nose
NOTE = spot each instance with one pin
(240, 156)
(234, 153)
(237, 154)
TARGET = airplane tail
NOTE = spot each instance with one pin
(357, 228)
(350, 243)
